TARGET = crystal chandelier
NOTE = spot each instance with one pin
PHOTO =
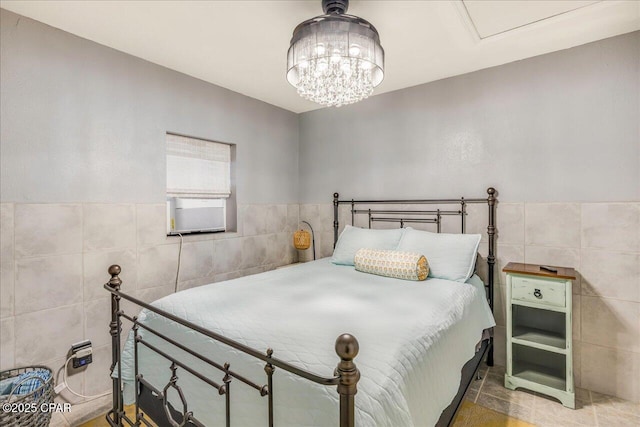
(335, 59)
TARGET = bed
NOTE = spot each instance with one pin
(258, 350)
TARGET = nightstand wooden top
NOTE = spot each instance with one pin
(534, 270)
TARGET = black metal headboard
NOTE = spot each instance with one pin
(404, 216)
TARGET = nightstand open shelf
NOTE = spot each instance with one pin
(539, 338)
(539, 341)
(540, 329)
(539, 374)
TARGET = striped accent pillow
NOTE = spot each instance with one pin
(398, 264)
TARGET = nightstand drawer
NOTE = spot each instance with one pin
(538, 291)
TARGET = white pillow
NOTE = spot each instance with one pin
(451, 256)
(354, 238)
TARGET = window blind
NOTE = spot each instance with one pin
(197, 168)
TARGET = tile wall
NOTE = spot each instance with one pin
(54, 260)
(600, 240)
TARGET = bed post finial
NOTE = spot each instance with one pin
(115, 280)
(347, 348)
(335, 219)
(491, 258)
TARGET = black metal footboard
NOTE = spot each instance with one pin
(345, 378)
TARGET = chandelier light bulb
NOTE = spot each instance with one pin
(335, 59)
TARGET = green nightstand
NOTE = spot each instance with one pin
(539, 331)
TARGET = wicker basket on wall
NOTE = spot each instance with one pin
(302, 239)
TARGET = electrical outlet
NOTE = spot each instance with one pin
(82, 354)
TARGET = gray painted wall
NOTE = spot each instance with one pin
(82, 122)
(558, 127)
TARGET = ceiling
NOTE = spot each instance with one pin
(242, 45)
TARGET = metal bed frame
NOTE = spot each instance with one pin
(405, 216)
(152, 404)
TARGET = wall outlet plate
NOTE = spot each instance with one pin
(79, 362)
(82, 354)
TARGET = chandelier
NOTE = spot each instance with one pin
(335, 59)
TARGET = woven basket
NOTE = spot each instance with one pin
(302, 239)
(33, 416)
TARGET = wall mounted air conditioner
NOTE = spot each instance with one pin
(186, 216)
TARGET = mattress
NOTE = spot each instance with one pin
(414, 339)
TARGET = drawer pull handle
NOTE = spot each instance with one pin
(537, 293)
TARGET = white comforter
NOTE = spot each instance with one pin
(414, 339)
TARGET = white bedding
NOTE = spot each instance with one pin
(414, 339)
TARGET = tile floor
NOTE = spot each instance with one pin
(472, 415)
(592, 409)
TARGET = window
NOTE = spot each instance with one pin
(200, 185)
(197, 168)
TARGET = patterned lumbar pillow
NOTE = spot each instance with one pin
(398, 264)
